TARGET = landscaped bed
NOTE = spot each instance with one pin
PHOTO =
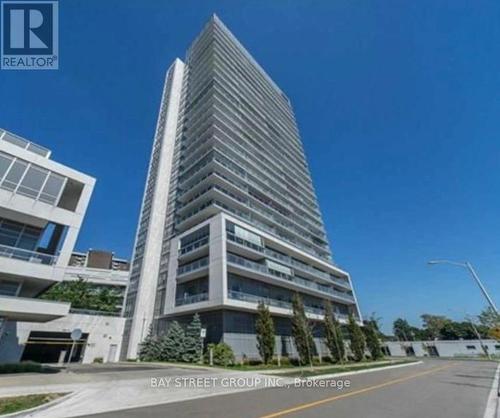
(19, 403)
(25, 367)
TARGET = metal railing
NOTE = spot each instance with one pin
(231, 258)
(286, 259)
(194, 245)
(186, 300)
(248, 297)
(92, 312)
(195, 265)
(26, 255)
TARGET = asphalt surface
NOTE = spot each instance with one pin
(435, 389)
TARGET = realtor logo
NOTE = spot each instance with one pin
(30, 38)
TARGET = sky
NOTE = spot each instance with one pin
(397, 102)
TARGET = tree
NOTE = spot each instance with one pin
(494, 333)
(456, 330)
(489, 318)
(264, 329)
(172, 343)
(192, 341)
(402, 329)
(301, 331)
(356, 338)
(84, 295)
(333, 333)
(375, 321)
(373, 341)
(434, 324)
(150, 349)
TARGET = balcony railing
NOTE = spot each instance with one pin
(194, 245)
(186, 300)
(288, 260)
(195, 265)
(234, 259)
(248, 297)
(26, 255)
(92, 312)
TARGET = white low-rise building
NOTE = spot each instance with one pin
(42, 206)
(441, 348)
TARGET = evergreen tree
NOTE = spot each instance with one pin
(402, 330)
(172, 343)
(301, 332)
(149, 349)
(333, 333)
(192, 341)
(264, 329)
(356, 338)
(372, 341)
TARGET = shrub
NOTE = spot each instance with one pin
(284, 361)
(24, 367)
(99, 360)
(222, 354)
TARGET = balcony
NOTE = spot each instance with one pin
(200, 264)
(24, 143)
(247, 264)
(289, 261)
(79, 311)
(194, 246)
(33, 310)
(26, 255)
(248, 297)
(187, 300)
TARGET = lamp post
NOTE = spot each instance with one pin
(474, 275)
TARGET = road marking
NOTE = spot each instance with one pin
(493, 398)
(356, 392)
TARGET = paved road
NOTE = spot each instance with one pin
(435, 389)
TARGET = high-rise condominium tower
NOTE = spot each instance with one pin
(229, 214)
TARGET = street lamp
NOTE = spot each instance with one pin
(468, 266)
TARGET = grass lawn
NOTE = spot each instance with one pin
(341, 369)
(19, 403)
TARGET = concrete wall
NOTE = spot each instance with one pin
(104, 331)
(459, 348)
(151, 255)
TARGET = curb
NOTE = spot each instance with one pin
(39, 408)
(374, 369)
(283, 370)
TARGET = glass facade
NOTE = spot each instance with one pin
(240, 146)
(28, 179)
(239, 168)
